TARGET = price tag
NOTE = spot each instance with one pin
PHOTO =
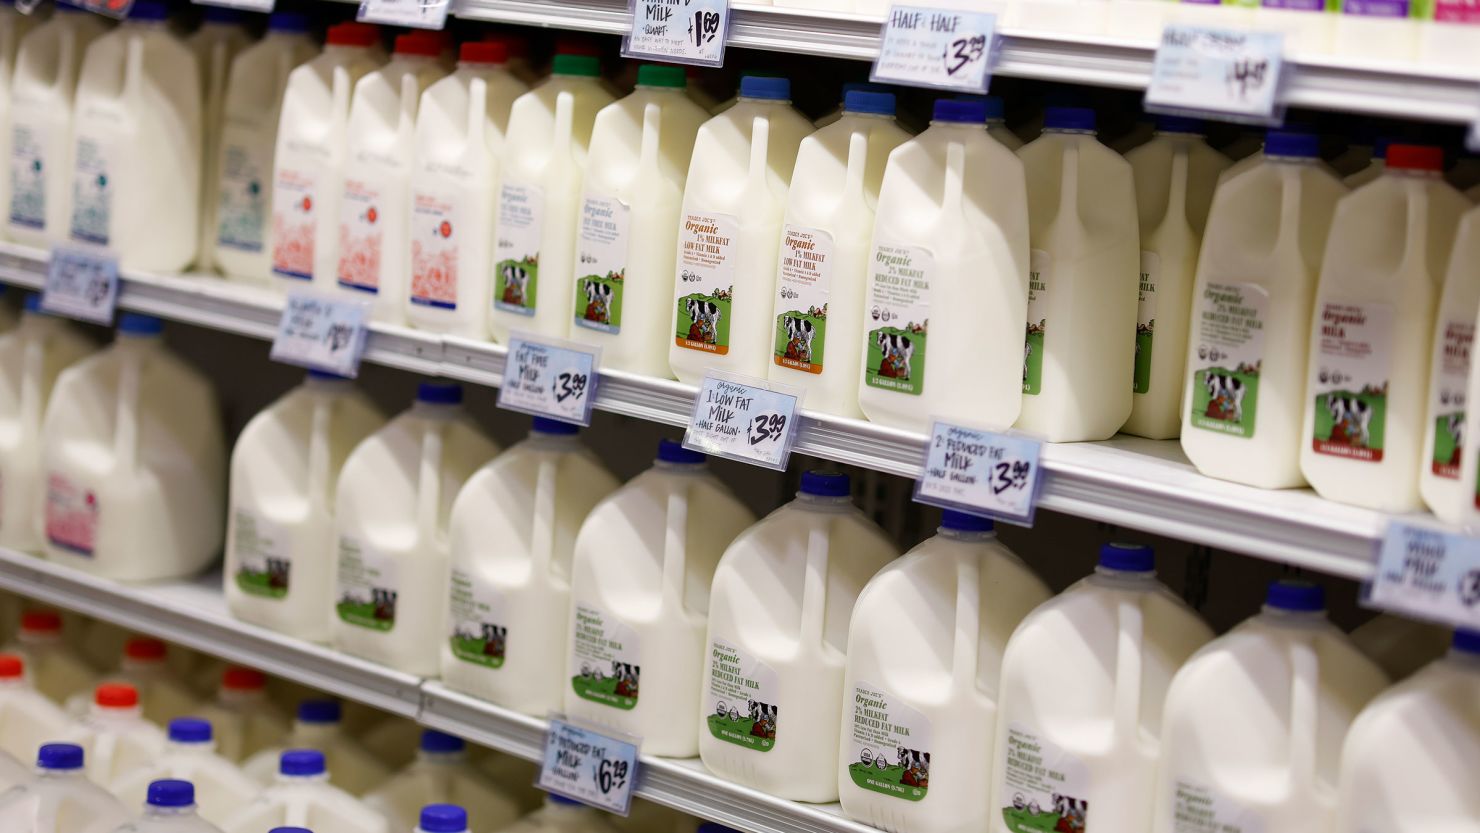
(263, 6)
(419, 14)
(744, 419)
(981, 472)
(547, 378)
(321, 333)
(945, 49)
(588, 766)
(1428, 573)
(1229, 73)
(678, 31)
(107, 8)
(81, 283)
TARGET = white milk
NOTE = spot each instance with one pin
(60, 799)
(119, 739)
(441, 818)
(1400, 646)
(1371, 334)
(1255, 721)
(537, 207)
(643, 565)
(55, 670)
(217, 43)
(27, 718)
(729, 232)
(169, 807)
(221, 788)
(561, 815)
(924, 674)
(280, 524)
(244, 719)
(318, 727)
(508, 606)
(953, 212)
(391, 530)
(441, 774)
(14, 25)
(135, 461)
(1441, 480)
(1251, 304)
(302, 796)
(1083, 681)
(775, 671)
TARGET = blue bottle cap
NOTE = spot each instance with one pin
(1467, 641)
(1180, 124)
(149, 10)
(556, 798)
(190, 730)
(672, 451)
(545, 425)
(765, 87)
(170, 792)
(826, 484)
(439, 393)
(1298, 596)
(319, 711)
(219, 14)
(301, 762)
(139, 324)
(59, 756)
(960, 111)
(33, 302)
(326, 375)
(443, 818)
(964, 522)
(1068, 118)
(287, 22)
(1127, 558)
(871, 103)
(435, 741)
(996, 107)
(290, 830)
(715, 827)
(1291, 143)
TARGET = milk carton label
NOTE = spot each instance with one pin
(71, 515)
(293, 207)
(891, 745)
(1042, 786)
(601, 264)
(803, 283)
(436, 231)
(241, 212)
(943, 48)
(1039, 266)
(1428, 573)
(1447, 398)
(27, 178)
(516, 248)
(1200, 809)
(706, 272)
(92, 190)
(897, 318)
(1457, 11)
(605, 658)
(1145, 321)
(476, 613)
(1375, 8)
(263, 549)
(359, 236)
(1352, 357)
(1228, 343)
(366, 592)
(742, 698)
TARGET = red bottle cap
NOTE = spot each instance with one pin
(1415, 158)
(116, 696)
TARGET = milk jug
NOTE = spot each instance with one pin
(221, 788)
(280, 524)
(810, 559)
(60, 799)
(27, 718)
(1082, 271)
(923, 679)
(1175, 174)
(1400, 646)
(442, 818)
(55, 670)
(1371, 331)
(1441, 476)
(562, 815)
(950, 241)
(13, 772)
(1255, 721)
(460, 129)
(136, 148)
(643, 565)
(120, 739)
(302, 795)
(164, 695)
(318, 727)
(508, 606)
(135, 461)
(244, 720)
(221, 37)
(392, 530)
(169, 807)
(1256, 282)
(441, 774)
(242, 199)
(13, 27)
(1083, 680)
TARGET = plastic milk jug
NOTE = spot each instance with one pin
(1083, 680)
(13, 773)
(135, 461)
(169, 807)
(1251, 304)
(644, 562)
(1440, 477)
(244, 720)
(1254, 723)
(27, 718)
(220, 787)
(280, 525)
(145, 666)
(562, 815)
(1400, 646)
(460, 128)
(441, 774)
(950, 241)
(1371, 334)
(391, 530)
(775, 672)
(55, 670)
(318, 727)
(537, 207)
(120, 740)
(1175, 173)
(301, 795)
(1083, 271)
(217, 43)
(13, 27)
(923, 680)
(508, 606)
(60, 799)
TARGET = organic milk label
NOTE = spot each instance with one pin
(897, 318)
(803, 282)
(891, 745)
(71, 515)
(1038, 269)
(92, 191)
(1352, 362)
(262, 550)
(293, 223)
(1145, 321)
(27, 178)
(1376, 8)
(1042, 786)
(742, 698)
(601, 264)
(1447, 398)
(706, 272)
(359, 236)
(476, 610)
(1456, 11)
(605, 660)
(241, 211)
(366, 594)
(1200, 809)
(516, 248)
(435, 234)
(1228, 331)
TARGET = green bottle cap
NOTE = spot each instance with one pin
(586, 65)
(661, 75)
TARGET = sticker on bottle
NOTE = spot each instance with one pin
(241, 210)
(516, 248)
(366, 591)
(293, 221)
(1228, 343)
(92, 190)
(1200, 809)
(1447, 396)
(28, 172)
(601, 264)
(742, 698)
(71, 516)
(891, 745)
(264, 560)
(1353, 357)
(605, 658)
(1038, 269)
(1043, 787)
(475, 615)
(436, 230)
(706, 273)
(897, 318)
(803, 284)
(1145, 321)
(360, 229)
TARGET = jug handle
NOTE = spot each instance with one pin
(968, 621)
(814, 583)
(220, 65)
(1418, 218)
(133, 73)
(760, 141)
(126, 426)
(951, 196)
(542, 525)
(1304, 716)
(857, 164)
(1177, 197)
(652, 133)
(1129, 635)
(409, 99)
(675, 552)
(33, 369)
(429, 482)
(319, 488)
(67, 64)
(477, 112)
(339, 102)
(565, 106)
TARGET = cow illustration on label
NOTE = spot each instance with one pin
(474, 609)
(599, 301)
(704, 321)
(365, 582)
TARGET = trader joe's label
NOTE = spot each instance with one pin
(1043, 787)
(366, 591)
(71, 515)
(263, 554)
(1200, 809)
(897, 318)
(1145, 321)
(516, 248)
(476, 612)
(1039, 265)
(891, 745)
(601, 264)
(28, 172)
(1447, 396)
(742, 698)
(293, 223)
(1228, 342)
(241, 209)
(436, 233)
(803, 283)
(1352, 359)
(360, 227)
(605, 658)
(706, 276)
(92, 189)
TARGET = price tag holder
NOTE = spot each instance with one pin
(678, 31)
(588, 766)
(744, 419)
(1227, 73)
(322, 333)
(1429, 573)
(944, 49)
(264, 6)
(81, 283)
(418, 14)
(549, 378)
(981, 472)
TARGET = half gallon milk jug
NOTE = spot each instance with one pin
(60, 799)
(538, 203)
(280, 525)
(1371, 333)
(27, 718)
(301, 795)
(391, 530)
(135, 461)
(169, 807)
(221, 788)
(120, 739)
(923, 679)
(1401, 646)
(164, 694)
(244, 721)
(1255, 721)
(460, 129)
(1440, 471)
(318, 727)
(55, 670)
(644, 563)
(1251, 303)
(784, 659)
(221, 37)
(1083, 681)
(441, 774)
(508, 606)
(950, 242)
(562, 815)
(1175, 174)
(14, 25)
(1083, 272)
(136, 151)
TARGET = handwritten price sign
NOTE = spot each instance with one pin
(81, 283)
(939, 48)
(421, 14)
(679, 31)
(982, 472)
(1227, 73)
(589, 766)
(322, 333)
(1429, 573)
(743, 419)
(548, 378)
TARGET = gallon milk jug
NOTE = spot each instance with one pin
(13, 772)
(55, 670)
(1371, 333)
(823, 264)
(302, 795)
(244, 719)
(145, 666)
(460, 129)
(508, 606)
(220, 787)
(538, 202)
(1083, 681)
(280, 525)
(729, 232)
(810, 559)
(120, 740)
(1440, 471)
(135, 461)
(318, 727)
(391, 530)
(136, 149)
(950, 241)
(441, 774)
(1400, 646)
(242, 200)
(923, 680)
(635, 175)
(169, 807)
(644, 562)
(1256, 282)
(27, 718)
(562, 815)
(221, 37)
(1254, 722)
(1175, 174)
(443, 818)
(1082, 271)
(14, 25)
(60, 799)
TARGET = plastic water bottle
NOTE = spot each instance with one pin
(170, 808)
